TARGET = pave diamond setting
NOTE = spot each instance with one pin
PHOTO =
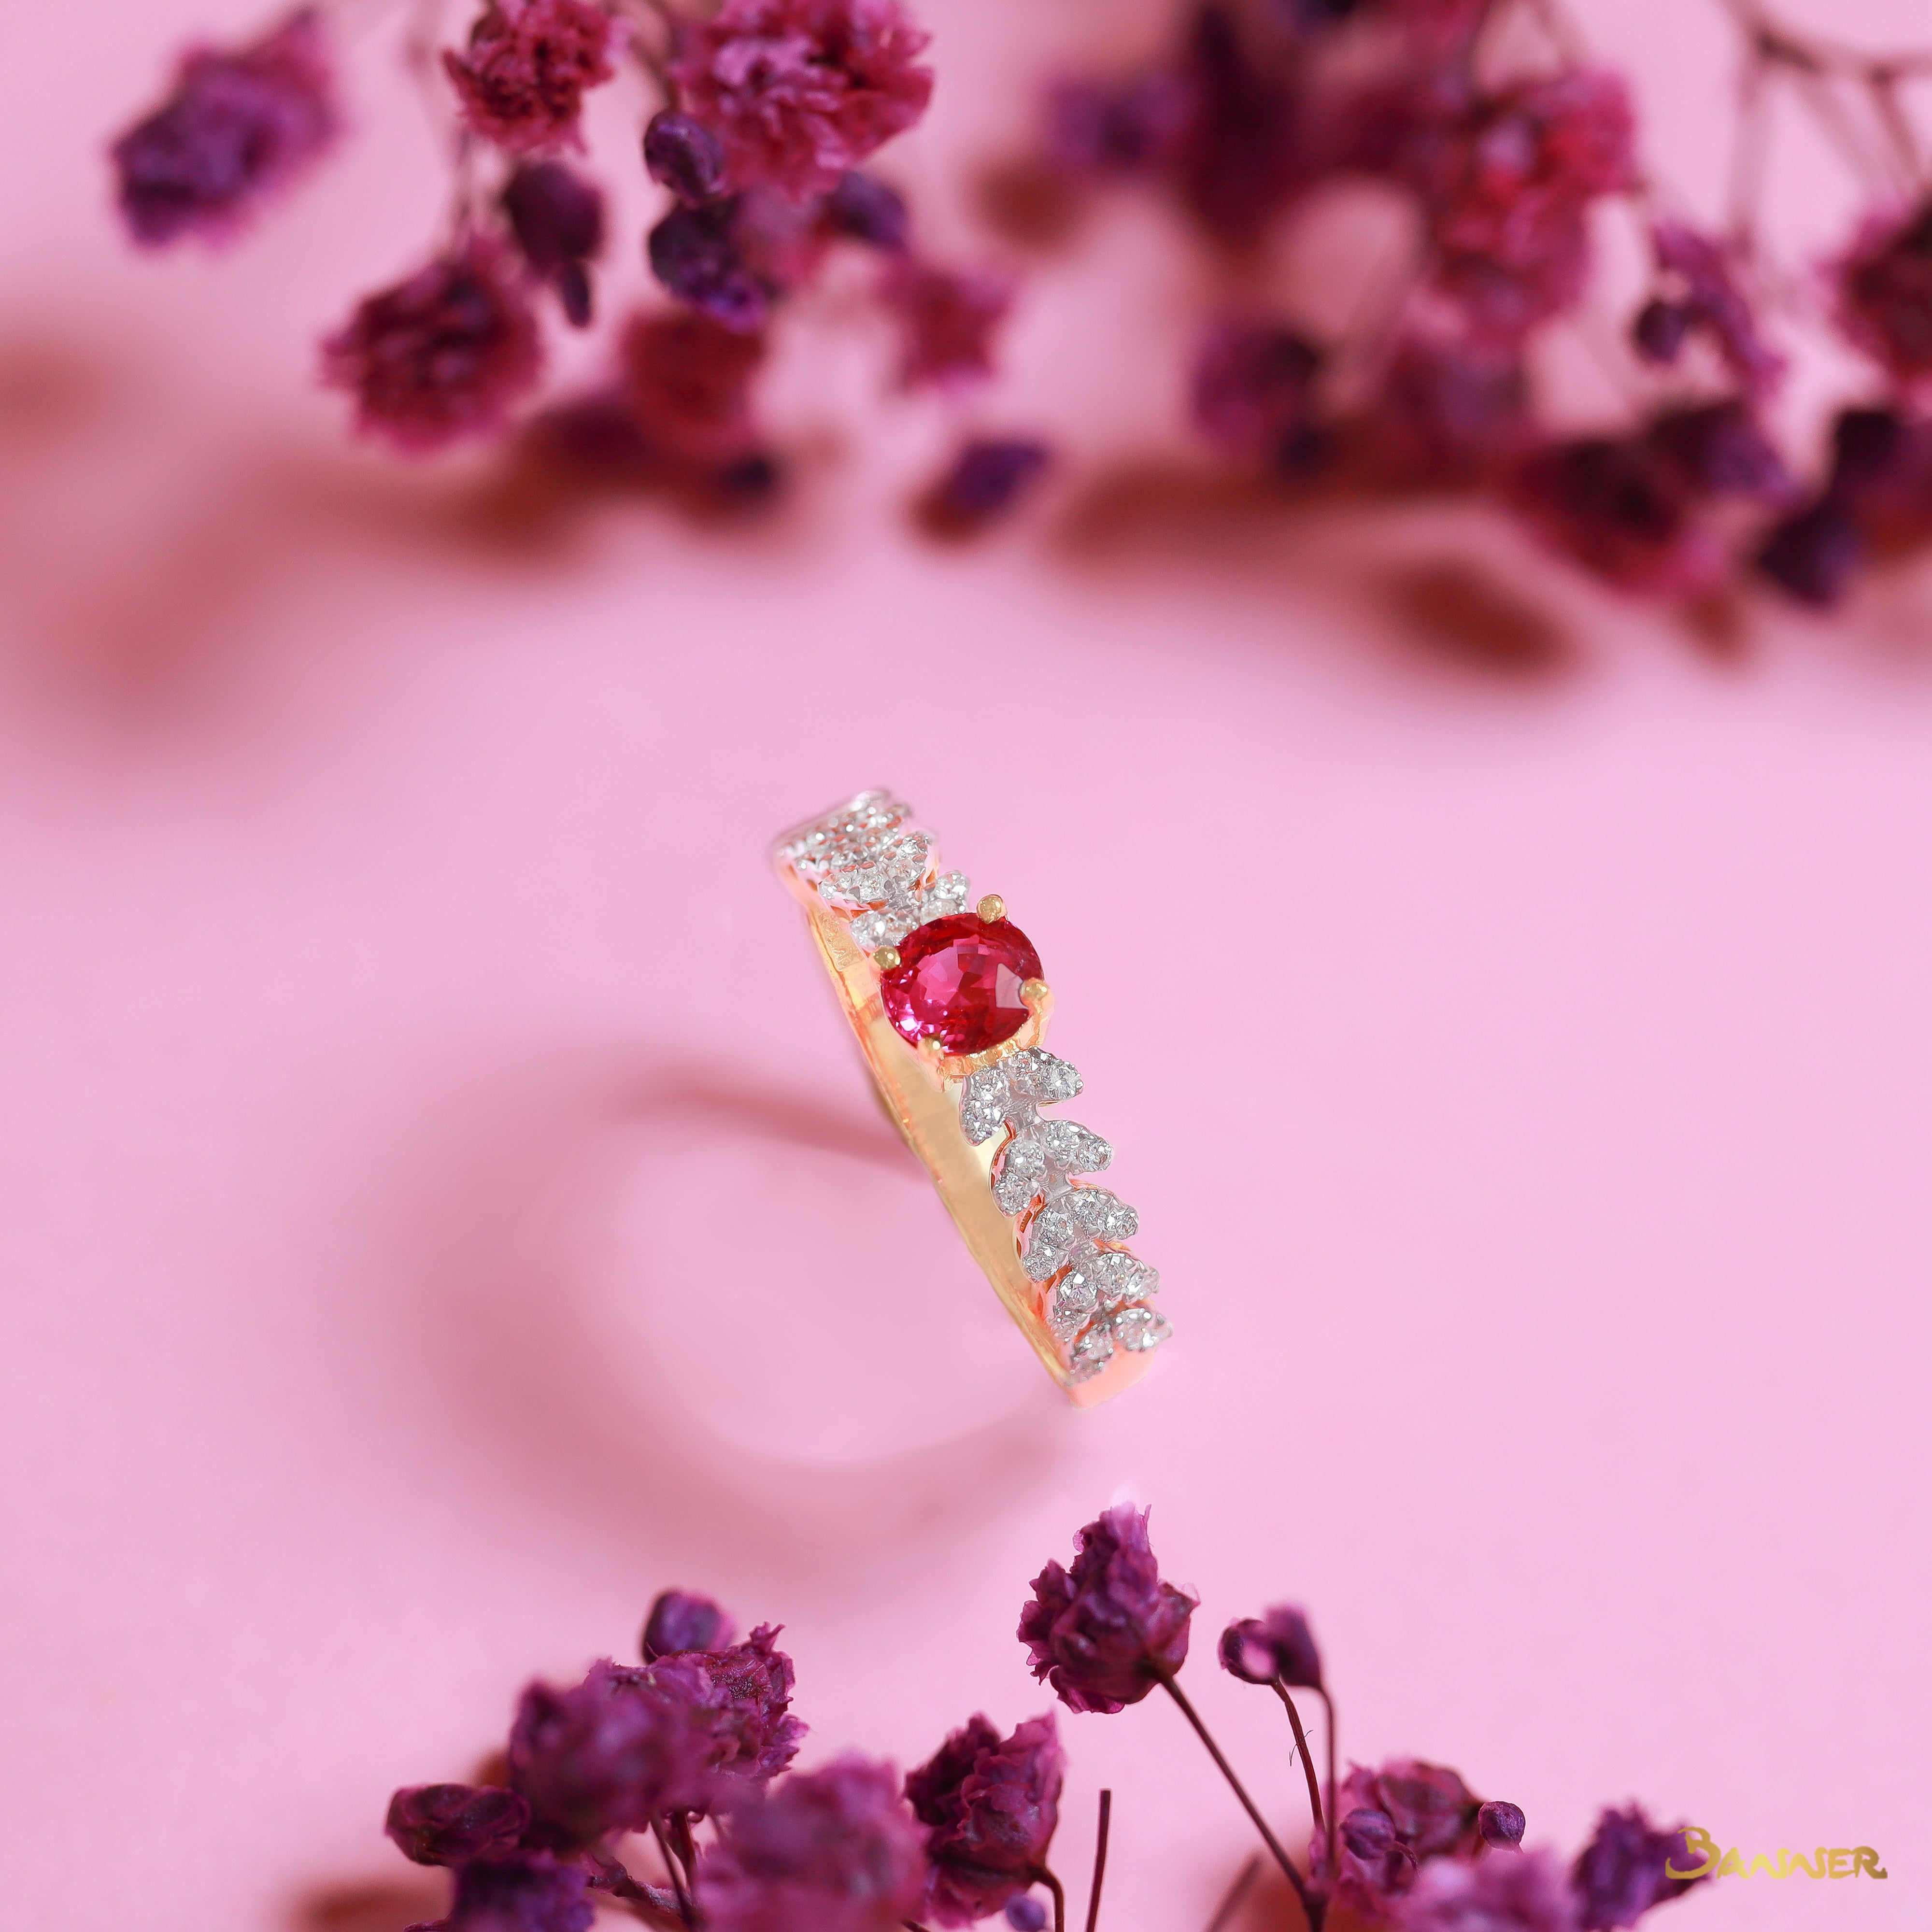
(867, 863)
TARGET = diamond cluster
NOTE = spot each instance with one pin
(865, 861)
(1096, 1296)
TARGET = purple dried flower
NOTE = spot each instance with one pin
(529, 1893)
(1450, 412)
(1500, 1823)
(521, 79)
(441, 356)
(947, 321)
(607, 1755)
(1026, 1914)
(864, 208)
(449, 1824)
(1117, 129)
(697, 254)
(683, 156)
(1619, 1875)
(1252, 392)
(1277, 1644)
(1104, 1633)
(679, 1620)
(1368, 1833)
(833, 1850)
(986, 481)
(1711, 301)
(744, 1703)
(1659, 329)
(797, 91)
(238, 126)
(1520, 1894)
(1721, 449)
(557, 217)
(992, 1806)
(1619, 507)
(1811, 554)
(1885, 292)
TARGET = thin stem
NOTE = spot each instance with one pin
(656, 1907)
(1310, 1906)
(1301, 1747)
(1046, 1878)
(1231, 1899)
(1100, 1860)
(684, 1910)
(1334, 1804)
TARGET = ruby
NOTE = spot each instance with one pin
(958, 982)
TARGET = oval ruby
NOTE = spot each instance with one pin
(958, 982)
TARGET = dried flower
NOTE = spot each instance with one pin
(992, 1806)
(1885, 292)
(237, 127)
(1025, 1914)
(1276, 1646)
(797, 91)
(688, 381)
(833, 1850)
(442, 354)
(1619, 1875)
(1116, 129)
(1500, 1823)
(1618, 507)
(521, 79)
(1711, 301)
(1368, 1833)
(607, 1755)
(947, 321)
(557, 217)
(684, 156)
(988, 479)
(1252, 394)
(530, 1892)
(450, 1824)
(1660, 328)
(699, 256)
(1811, 554)
(1105, 1633)
(745, 1704)
(1449, 411)
(1520, 1894)
(864, 208)
(679, 1620)
(1721, 449)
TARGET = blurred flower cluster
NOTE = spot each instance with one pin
(663, 1789)
(758, 120)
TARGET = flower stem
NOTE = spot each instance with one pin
(1301, 1748)
(1310, 1906)
(684, 1910)
(1046, 1878)
(1100, 1860)
(1334, 1802)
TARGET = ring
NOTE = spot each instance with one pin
(950, 1009)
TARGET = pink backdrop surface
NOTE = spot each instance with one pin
(442, 1207)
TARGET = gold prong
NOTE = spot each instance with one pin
(931, 1048)
(991, 908)
(885, 957)
(1034, 992)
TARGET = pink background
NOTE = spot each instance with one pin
(442, 1207)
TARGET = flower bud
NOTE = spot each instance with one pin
(683, 156)
(1277, 1645)
(1025, 1913)
(680, 1621)
(1500, 1824)
(1368, 1833)
(451, 1824)
(866, 209)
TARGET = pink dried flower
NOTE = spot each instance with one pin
(744, 1700)
(1885, 292)
(992, 1805)
(799, 91)
(1619, 1875)
(522, 77)
(1450, 412)
(1277, 1646)
(833, 1850)
(689, 383)
(1721, 449)
(605, 1755)
(1253, 391)
(529, 1892)
(1709, 299)
(1520, 1894)
(238, 127)
(441, 356)
(451, 1824)
(948, 319)
(1104, 1633)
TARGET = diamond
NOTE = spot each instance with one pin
(1104, 1216)
(946, 895)
(1051, 1242)
(1119, 1277)
(1072, 1149)
(1090, 1354)
(1072, 1304)
(1022, 1170)
(982, 1105)
(1140, 1329)
(1041, 1077)
(958, 982)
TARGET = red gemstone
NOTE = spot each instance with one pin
(958, 982)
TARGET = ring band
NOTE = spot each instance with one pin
(950, 1009)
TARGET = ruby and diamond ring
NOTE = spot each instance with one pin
(950, 1007)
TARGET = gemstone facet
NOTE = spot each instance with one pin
(958, 982)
